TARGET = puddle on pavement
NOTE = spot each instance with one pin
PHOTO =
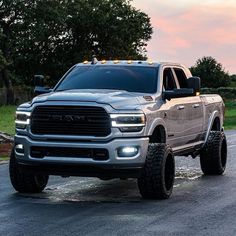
(95, 190)
(187, 174)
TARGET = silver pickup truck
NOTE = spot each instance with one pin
(118, 119)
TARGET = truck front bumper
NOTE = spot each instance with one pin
(115, 166)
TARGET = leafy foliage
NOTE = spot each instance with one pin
(113, 29)
(233, 80)
(48, 36)
(211, 73)
(225, 92)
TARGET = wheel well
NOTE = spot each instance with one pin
(158, 135)
(216, 124)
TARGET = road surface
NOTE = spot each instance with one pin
(199, 205)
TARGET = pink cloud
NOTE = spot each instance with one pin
(215, 24)
(188, 33)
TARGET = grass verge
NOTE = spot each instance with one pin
(4, 159)
(230, 115)
(7, 116)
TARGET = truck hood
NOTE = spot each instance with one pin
(116, 99)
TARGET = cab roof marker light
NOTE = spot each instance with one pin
(150, 62)
(129, 62)
(116, 61)
(85, 62)
(103, 62)
(197, 93)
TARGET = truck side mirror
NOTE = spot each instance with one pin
(178, 93)
(39, 85)
(194, 83)
(38, 80)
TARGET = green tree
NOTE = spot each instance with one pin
(233, 80)
(48, 36)
(112, 28)
(40, 43)
(211, 73)
(2, 65)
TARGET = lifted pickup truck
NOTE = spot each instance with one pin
(118, 119)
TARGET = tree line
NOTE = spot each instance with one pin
(212, 73)
(49, 36)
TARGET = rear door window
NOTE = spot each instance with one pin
(181, 77)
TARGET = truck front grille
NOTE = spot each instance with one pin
(70, 120)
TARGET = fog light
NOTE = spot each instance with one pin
(127, 151)
(19, 148)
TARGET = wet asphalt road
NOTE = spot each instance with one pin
(85, 206)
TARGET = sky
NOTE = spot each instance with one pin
(186, 30)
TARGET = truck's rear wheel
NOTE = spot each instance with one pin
(158, 174)
(213, 156)
(25, 182)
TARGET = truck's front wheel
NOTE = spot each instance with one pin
(213, 156)
(158, 175)
(25, 182)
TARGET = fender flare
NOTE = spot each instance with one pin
(155, 123)
(211, 120)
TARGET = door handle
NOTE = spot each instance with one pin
(195, 105)
(180, 107)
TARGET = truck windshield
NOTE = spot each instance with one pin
(130, 78)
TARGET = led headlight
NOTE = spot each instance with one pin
(22, 119)
(128, 122)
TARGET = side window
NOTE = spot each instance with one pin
(182, 79)
(168, 79)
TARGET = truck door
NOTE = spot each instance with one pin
(175, 112)
(193, 124)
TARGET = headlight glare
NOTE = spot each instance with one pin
(128, 122)
(22, 119)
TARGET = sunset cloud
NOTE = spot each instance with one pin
(186, 30)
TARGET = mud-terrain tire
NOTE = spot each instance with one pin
(157, 178)
(25, 182)
(213, 157)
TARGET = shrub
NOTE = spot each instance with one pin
(224, 92)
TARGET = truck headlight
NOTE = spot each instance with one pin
(22, 119)
(128, 122)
